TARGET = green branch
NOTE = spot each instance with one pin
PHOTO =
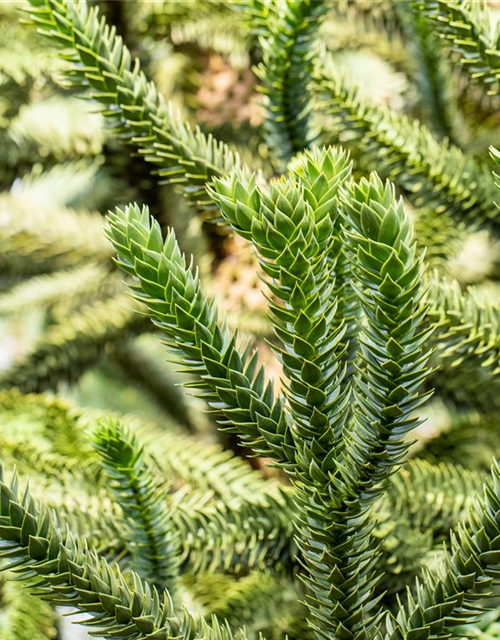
(388, 274)
(457, 593)
(151, 536)
(469, 28)
(295, 228)
(340, 468)
(68, 574)
(431, 174)
(103, 68)
(230, 379)
(286, 33)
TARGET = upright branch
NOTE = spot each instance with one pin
(340, 551)
(151, 536)
(393, 339)
(341, 460)
(322, 172)
(295, 228)
(287, 29)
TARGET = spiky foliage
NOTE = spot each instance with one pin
(286, 32)
(465, 438)
(230, 378)
(326, 547)
(466, 338)
(420, 482)
(385, 258)
(422, 505)
(296, 235)
(55, 128)
(248, 525)
(388, 277)
(235, 537)
(322, 174)
(446, 182)
(207, 468)
(69, 574)
(471, 32)
(61, 426)
(52, 423)
(238, 536)
(103, 67)
(251, 601)
(150, 535)
(389, 274)
(442, 601)
(431, 173)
